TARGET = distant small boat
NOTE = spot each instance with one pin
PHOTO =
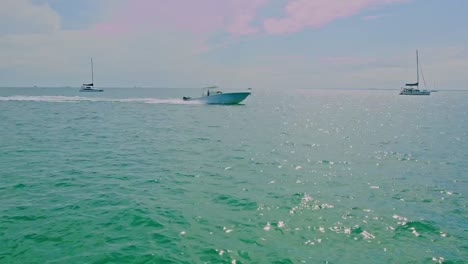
(89, 87)
(212, 95)
(409, 87)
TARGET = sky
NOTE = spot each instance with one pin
(264, 44)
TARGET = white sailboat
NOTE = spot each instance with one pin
(212, 95)
(89, 87)
(409, 89)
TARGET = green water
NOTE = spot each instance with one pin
(296, 176)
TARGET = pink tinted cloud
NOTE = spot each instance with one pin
(243, 14)
(199, 17)
(302, 14)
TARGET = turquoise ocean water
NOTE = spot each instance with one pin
(294, 176)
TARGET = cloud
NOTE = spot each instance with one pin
(303, 14)
(243, 14)
(214, 24)
(24, 17)
(200, 17)
(236, 17)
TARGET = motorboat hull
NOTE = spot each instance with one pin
(224, 98)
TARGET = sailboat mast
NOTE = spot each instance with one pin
(417, 67)
(92, 72)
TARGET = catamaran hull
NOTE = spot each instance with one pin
(225, 98)
(91, 91)
(416, 93)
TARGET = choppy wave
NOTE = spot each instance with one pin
(78, 99)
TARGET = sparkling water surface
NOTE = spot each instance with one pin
(293, 176)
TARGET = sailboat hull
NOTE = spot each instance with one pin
(91, 90)
(224, 98)
(415, 92)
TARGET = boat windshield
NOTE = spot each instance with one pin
(211, 90)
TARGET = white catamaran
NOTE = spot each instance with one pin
(409, 89)
(89, 87)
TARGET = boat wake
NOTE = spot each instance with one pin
(78, 99)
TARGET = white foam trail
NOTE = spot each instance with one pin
(42, 98)
(77, 99)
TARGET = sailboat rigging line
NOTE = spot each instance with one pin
(422, 74)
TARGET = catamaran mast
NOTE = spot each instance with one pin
(417, 68)
(92, 72)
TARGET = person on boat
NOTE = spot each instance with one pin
(208, 93)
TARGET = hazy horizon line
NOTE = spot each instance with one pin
(155, 87)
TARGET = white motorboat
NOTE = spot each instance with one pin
(212, 95)
(89, 87)
(413, 88)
